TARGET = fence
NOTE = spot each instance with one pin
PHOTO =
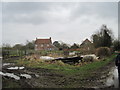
(19, 53)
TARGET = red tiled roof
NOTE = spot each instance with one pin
(43, 41)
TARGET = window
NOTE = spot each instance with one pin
(48, 45)
(41, 45)
(36, 45)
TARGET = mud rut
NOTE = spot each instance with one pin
(41, 78)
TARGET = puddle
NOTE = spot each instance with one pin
(13, 76)
(112, 80)
(6, 64)
(1, 73)
(36, 75)
(15, 68)
(10, 75)
(116, 81)
(27, 76)
(46, 58)
(21, 67)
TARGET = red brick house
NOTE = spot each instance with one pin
(44, 44)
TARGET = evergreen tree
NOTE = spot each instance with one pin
(103, 38)
(74, 46)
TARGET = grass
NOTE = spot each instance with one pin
(77, 73)
(65, 68)
(10, 60)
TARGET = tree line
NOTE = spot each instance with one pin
(102, 38)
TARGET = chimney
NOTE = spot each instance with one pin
(50, 38)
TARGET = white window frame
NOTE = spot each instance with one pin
(48, 45)
(41, 45)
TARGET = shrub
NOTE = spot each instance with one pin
(103, 52)
(60, 63)
(88, 59)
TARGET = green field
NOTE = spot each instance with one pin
(74, 75)
(67, 69)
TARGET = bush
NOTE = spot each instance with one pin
(60, 63)
(89, 58)
(103, 52)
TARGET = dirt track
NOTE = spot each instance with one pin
(47, 79)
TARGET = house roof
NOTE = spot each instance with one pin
(86, 41)
(43, 41)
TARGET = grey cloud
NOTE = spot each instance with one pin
(24, 12)
(38, 12)
(24, 18)
(30, 12)
(31, 7)
(68, 22)
(102, 9)
(24, 7)
(119, 20)
(0, 24)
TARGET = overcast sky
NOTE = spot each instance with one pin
(68, 22)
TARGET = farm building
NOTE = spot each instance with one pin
(44, 44)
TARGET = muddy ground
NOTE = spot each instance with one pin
(45, 78)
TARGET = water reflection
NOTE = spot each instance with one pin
(112, 80)
(15, 68)
(25, 75)
(36, 75)
(10, 75)
(6, 64)
(116, 81)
